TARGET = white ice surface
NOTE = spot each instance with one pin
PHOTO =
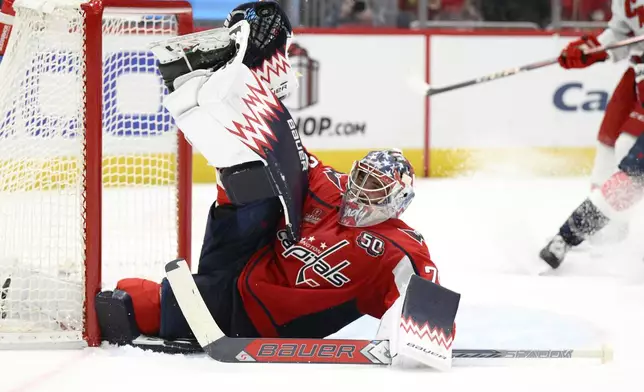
(483, 233)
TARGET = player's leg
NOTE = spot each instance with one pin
(625, 188)
(617, 113)
(233, 234)
(614, 139)
(613, 142)
(233, 114)
(613, 200)
(618, 229)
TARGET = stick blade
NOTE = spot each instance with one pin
(230, 350)
(192, 305)
(174, 265)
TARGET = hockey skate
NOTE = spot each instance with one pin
(205, 50)
(555, 252)
(115, 313)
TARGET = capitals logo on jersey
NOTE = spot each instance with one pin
(414, 234)
(314, 259)
(335, 178)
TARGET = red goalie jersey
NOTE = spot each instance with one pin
(335, 274)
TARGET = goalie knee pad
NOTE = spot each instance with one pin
(247, 183)
(421, 331)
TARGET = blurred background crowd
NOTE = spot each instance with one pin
(458, 14)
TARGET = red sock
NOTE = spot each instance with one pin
(620, 192)
(146, 299)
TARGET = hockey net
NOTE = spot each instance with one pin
(94, 175)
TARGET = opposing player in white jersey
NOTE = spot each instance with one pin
(617, 176)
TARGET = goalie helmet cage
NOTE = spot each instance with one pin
(95, 179)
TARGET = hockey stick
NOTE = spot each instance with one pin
(338, 351)
(192, 305)
(525, 68)
(371, 352)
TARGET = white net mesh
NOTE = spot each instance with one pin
(41, 166)
(139, 151)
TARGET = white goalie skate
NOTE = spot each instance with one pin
(178, 47)
(203, 52)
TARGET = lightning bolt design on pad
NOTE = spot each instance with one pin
(433, 334)
(276, 65)
(254, 130)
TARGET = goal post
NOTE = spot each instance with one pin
(95, 177)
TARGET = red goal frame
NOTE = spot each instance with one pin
(93, 177)
(93, 148)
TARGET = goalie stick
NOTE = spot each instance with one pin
(370, 352)
(529, 67)
(337, 351)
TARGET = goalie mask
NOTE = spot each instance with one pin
(380, 187)
(271, 35)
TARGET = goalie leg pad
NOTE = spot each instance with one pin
(420, 325)
(427, 325)
(233, 118)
